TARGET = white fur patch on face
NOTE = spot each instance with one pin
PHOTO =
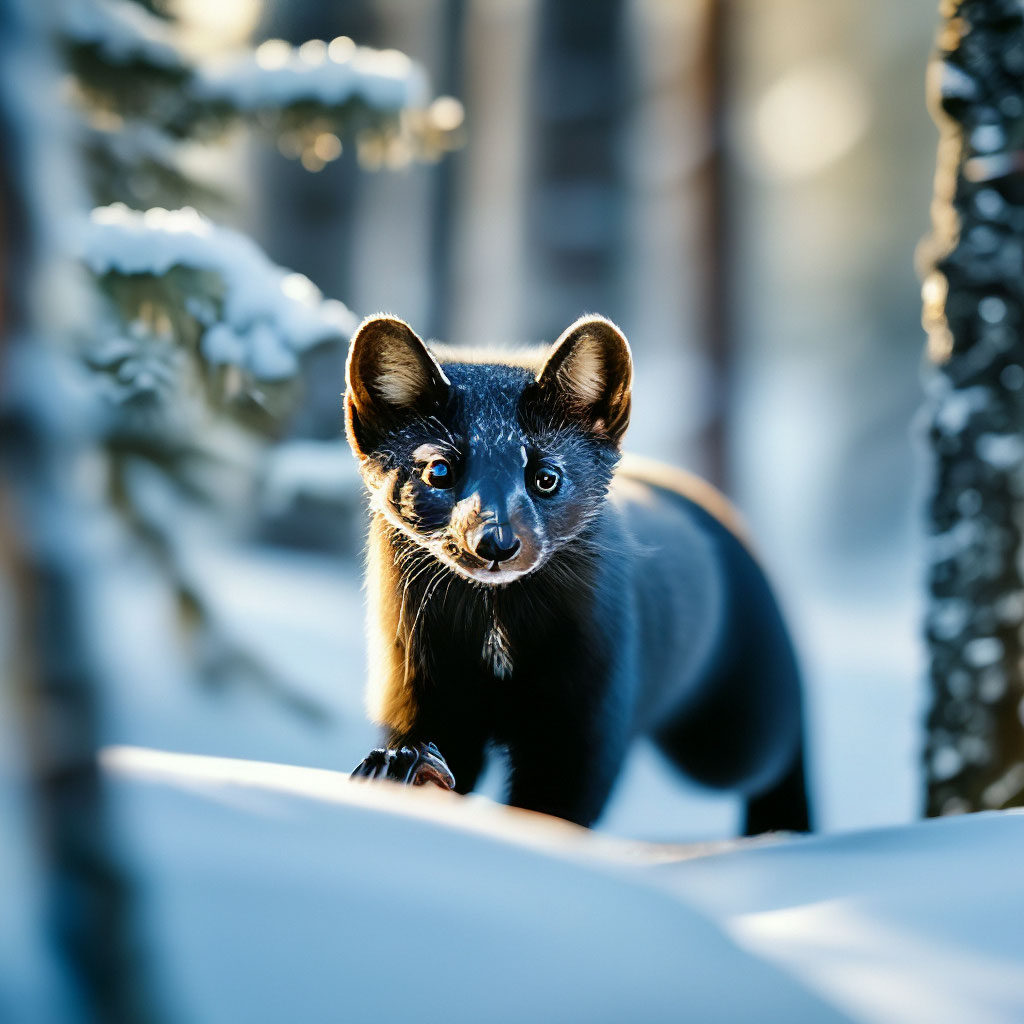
(583, 373)
(494, 577)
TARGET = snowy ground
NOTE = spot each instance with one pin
(896, 925)
(315, 898)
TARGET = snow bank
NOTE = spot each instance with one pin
(271, 892)
(265, 315)
(920, 923)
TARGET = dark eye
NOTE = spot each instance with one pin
(546, 480)
(438, 474)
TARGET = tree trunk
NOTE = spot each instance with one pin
(973, 296)
(576, 218)
(49, 554)
(717, 314)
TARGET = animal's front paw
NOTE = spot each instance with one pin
(413, 766)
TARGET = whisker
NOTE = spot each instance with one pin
(420, 570)
(429, 590)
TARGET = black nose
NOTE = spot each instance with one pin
(497, 544)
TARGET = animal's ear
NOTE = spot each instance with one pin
(589, 373)
(389, 376)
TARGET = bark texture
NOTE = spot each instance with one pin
(973, 292)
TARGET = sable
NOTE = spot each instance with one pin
(526, 589)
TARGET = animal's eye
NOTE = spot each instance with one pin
(438, 473)
(546, 480)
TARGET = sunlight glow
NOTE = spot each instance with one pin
(447, 113)
(313, 52)
(211, 26)
(273, 54)
(810, 118)
(341, 49)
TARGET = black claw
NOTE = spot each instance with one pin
(411, 766)
(370, 765)
(403, 761)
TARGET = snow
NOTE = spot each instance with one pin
(299, 617)
(277, 75)
(122, 31)
(952, 81)
(266, 315)
(317, 897)
(272, 76)
(323, 899)
(1003, 451)
(955, 408)
(897, 925)
(323, 470)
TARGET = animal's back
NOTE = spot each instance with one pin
(719, 682)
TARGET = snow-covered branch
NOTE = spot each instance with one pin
(260, 319)
(121, 33)
(131, 65)
(277, 75)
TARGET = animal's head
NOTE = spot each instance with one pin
(490, 466)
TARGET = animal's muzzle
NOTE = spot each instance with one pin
(495, 543)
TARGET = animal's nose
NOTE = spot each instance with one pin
(497, 543)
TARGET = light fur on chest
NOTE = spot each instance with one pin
(496, 653)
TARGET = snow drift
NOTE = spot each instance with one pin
(271, 892)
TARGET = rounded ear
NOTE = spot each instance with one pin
(589, 375)
(389, 375)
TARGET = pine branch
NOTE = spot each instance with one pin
(130, 64)
(178, 281)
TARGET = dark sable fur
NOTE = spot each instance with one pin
(651, 617)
